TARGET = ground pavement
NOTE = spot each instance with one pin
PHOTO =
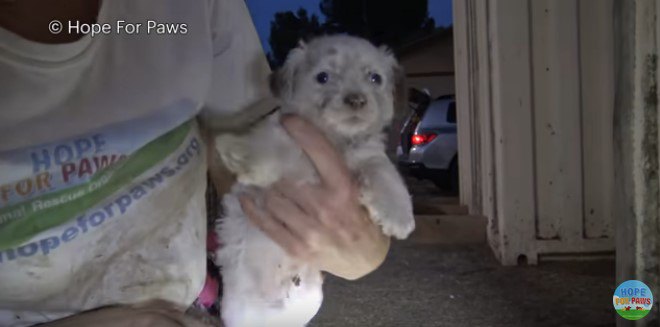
(454, 283)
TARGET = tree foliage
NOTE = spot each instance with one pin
(390, 22)
(287, 29)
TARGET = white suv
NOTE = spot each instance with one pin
(429, 147)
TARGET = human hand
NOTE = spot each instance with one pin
(323, 224)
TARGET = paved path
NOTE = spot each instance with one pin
(449, 285)
(426, 284)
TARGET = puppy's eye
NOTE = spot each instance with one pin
(375, 78)
(322, 77)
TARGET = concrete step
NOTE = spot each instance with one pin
(449, 229)
(417, 198)
(435, 208)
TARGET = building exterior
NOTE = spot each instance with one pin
(429, 63)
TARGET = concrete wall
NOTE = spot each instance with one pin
(636, 148)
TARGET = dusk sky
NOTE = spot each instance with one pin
(263, 11)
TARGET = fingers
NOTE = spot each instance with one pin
(328, 162)
(293, 218)
(273, 228)
(350, 228)
(303, 195)
(313, 201)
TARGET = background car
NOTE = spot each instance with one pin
(429, 145)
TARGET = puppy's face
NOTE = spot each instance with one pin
(341, 83)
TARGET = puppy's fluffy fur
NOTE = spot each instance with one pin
(346, 87)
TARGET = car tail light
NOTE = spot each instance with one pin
(421, 139)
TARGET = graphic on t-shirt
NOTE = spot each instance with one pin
(45, 186)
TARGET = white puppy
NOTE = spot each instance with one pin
(345, 86)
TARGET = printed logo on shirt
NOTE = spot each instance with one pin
(57, 166)
(45, 186)
(118, 204)
(59, 207)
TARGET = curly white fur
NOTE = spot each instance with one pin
(262, 285)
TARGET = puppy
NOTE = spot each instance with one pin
(346, 87)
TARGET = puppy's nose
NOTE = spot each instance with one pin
(355, 100)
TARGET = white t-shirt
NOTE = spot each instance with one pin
(102, 170)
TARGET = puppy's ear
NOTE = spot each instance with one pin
(399, 93)
(282, 80)
(278, 83)
(399, 90)
(385, 49)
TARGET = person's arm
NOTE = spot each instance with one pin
(240, 70)
(239, 78)
(325, 224)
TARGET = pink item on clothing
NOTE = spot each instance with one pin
(212, 243)
(209, 293)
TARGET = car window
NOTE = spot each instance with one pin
(434, 116)
(451, 113)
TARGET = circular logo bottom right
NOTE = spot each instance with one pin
(632, 300)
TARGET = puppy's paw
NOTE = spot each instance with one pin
(395, 217)
(234, 152)
(400, 229)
